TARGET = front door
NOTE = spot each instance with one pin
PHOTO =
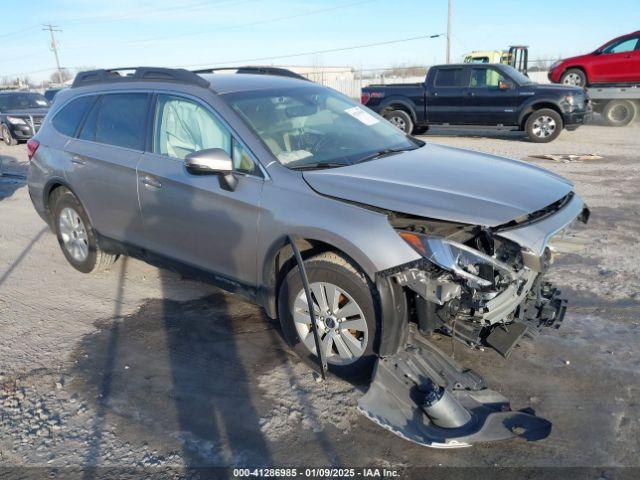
(191, 218)
(617, 62)
(445, 102)
(491, 99)
(103, 163)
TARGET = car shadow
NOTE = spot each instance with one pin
(13, 175)
(476, 133)
(185, 376)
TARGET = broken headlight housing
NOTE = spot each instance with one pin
(462, 260)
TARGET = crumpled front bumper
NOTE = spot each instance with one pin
(424, 396)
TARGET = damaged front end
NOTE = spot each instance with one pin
(483, 286)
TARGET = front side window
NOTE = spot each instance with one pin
(450, 77)
(621, 46)
(183, 127)
(118, 119)
(486, 78)
(316, 127)
(68, 119)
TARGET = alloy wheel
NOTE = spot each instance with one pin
(544, 126)
(341, 324)
(73, 234)
(573, 79)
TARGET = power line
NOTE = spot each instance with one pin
(329, 50)
(17, 32)
(230, 27)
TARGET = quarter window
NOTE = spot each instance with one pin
(450, 77)
(118, 119)
(68, 119)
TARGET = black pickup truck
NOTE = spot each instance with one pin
(480, 94)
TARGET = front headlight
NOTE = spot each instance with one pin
(16, 121)
(463, 261)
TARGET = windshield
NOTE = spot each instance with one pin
(317, 127)
(518, 76)
(17, 101)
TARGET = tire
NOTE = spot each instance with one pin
(400, 119)
(574, 76)
(7, 137)
(619, 113)
(544, 125)
(332, 270)
(68, 217)
(420, 129)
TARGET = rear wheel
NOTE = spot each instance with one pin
(76, 235)
(7, 137)
(574, 76)
(401, 120)
(343, 302)
(619, 113)
(543, 125)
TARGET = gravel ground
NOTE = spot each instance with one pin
(138, 367)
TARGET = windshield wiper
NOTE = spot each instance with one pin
(318, 165)
(384, 153)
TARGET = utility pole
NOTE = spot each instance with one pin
(449, 12)
(54, 47)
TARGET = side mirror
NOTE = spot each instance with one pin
(503, 85)
(212, 161)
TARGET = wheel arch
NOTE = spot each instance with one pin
(398, 103)
(391, 302)
(538, 105)
(576, 67)
(53, 184)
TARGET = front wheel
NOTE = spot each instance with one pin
(543, 125)
(400, 119)
(575, 77)
(343, 302)
(7, 137)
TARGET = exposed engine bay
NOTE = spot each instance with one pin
(480, 288)
(476, 286)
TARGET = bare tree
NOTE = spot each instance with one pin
(62, 76)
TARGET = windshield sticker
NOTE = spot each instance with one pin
(362, 116)
(42, 103)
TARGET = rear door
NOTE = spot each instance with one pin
(445, 97)
(617, 62)
(191, 218)
(487, 102)
(104, 158)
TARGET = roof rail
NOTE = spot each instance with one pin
(258, 70)
(139, 74)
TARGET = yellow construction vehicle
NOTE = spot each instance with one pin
(517, 56)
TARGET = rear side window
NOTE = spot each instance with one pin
(68, 119)
(450, 77)
(118, 119)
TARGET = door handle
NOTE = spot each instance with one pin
(151, 182)
(78, 160)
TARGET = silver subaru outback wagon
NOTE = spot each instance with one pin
(211, 173)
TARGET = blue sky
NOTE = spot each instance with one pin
(215, 32)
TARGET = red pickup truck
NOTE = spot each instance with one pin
(617, 61)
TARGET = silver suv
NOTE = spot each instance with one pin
(210, 173)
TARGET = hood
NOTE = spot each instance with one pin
(444, 183)
(576, 59)
(40, 112)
